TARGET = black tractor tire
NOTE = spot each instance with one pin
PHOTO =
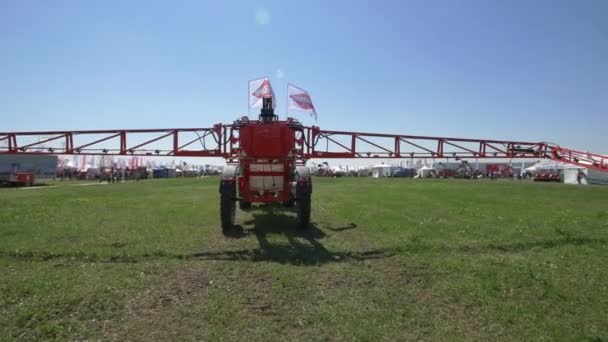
(303, 211)
(244, 205)
(227, 207)
(303, 197)
(289, 204)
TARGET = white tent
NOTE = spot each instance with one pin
(571, 175)
(425, 171)
(587, 176)
(531, 169)
(382, 170)
(544, 165)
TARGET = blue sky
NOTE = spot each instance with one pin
(526, 70)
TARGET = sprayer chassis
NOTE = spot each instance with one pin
(266, 166)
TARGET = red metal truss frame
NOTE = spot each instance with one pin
(62, 142)
(442, 147)
(589, 160)
(311, 142)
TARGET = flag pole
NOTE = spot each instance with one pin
(248, 105)
(248, 95)
(287, 103)
(249, 91)
(287, 100)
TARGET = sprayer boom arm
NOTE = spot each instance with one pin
(311, 142)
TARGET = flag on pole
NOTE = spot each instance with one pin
(259, 89)
(299, 99)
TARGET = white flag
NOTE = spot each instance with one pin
(299, 99)
(259, 89)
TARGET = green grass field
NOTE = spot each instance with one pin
(385, 259)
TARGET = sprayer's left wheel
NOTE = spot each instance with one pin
(227, 210)
(228, 199)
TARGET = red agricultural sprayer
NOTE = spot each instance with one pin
(266, 157)
(266, 165)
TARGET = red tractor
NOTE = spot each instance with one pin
(266, 165)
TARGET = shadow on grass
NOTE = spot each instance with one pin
(530, 245)
(512, 247)
(300, 246)
(303, 247)
(342, 228)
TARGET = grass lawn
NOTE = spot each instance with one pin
(384, 259)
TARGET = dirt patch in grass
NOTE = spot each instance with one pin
(258, 299)
(234, 299)
(151, 314)
(203, 300)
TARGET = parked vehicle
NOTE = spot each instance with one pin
(17, 178)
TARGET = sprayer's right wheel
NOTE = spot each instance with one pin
(289, 204)
(303, 210)
(244, 205)
(303, 196)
